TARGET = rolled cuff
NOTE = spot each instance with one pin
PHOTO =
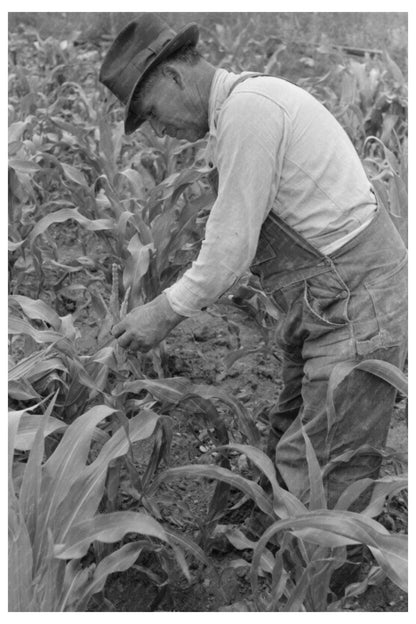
(186, 302)
(182, 301)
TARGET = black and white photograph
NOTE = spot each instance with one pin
(208, 311)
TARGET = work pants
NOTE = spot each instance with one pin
(349, 306)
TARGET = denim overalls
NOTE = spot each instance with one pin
(345, 307)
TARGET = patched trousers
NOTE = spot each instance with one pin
(346, 307)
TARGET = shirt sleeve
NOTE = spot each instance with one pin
(250, 135)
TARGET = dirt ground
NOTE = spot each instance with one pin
(196, 350)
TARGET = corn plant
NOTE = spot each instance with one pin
(197, 401)
(70, 163)
(131, 213)
(388, 174)
(54, 512)
(317, 535)
(299, 565)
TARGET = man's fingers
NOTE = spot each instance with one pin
(117, 330)
(131, 344)
(143, 348)
(125, 340)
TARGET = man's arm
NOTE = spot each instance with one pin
(251, 133)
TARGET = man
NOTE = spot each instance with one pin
(294, 205)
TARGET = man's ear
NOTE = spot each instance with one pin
(172, 72)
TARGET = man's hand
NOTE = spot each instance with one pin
(146, 326)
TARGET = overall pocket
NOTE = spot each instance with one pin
(326, 298)
(388, 296)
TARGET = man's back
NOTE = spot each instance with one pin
(321, 187)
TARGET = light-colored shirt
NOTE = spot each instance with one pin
(276, 148)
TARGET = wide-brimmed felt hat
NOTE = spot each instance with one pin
(136, 50)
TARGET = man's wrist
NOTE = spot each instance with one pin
(171, 317)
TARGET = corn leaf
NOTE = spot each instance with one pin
(285, 504)
(49, 579)
(74, 175)
(13, 426)
(87, 490)
(24, 166)
(317, 498)
(26, 366)
(280, 577)
(296, 598)
(15, 245)
(137, 265)
(390, 373)
(325, 561)
(119, 561)
(29, 495)
(16, 131)
(75, 581)
(250, 488)
(29, 424)
(35, 366)
(346, 456)
(22, 390)
(339, 528)
(385, 487)
(60, 216)
(68, 460)
(398, 197)
(189, 545)
(20, 326)
(107, 528)
(352, 493)
(135, 181)
(241, 542)
(170, 390)
(395, 70)
(181, 561)
(176, 389)
(20, 558)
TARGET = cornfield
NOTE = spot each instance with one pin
(129, 475)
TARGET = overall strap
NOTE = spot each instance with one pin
(244, 78)
(256, 75)
(213, 174)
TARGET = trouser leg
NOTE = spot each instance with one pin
(289, 404)
(290, 399)
(363, 407)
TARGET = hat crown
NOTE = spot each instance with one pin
(131, 51)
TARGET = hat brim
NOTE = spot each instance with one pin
(188, 35)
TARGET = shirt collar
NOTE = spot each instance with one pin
(220, 88)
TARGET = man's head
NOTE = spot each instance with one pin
(174, 96)
(160, 77)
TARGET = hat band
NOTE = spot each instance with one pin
(164, 38)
